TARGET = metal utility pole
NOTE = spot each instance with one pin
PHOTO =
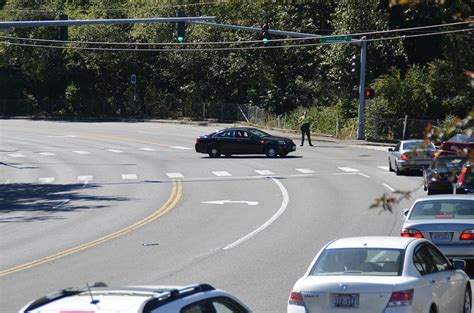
(361, 108)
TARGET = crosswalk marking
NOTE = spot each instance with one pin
(385, 168)
(305, 170)
(47, 153)
(46, 179)
(81, 152)
(85, 178)
(147, 149)
(264, 172)
(174, 175)
(179, 147)
(129, 176)
(349, 169)
(221, 173)
(114, 151)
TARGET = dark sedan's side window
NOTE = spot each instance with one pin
(227, 134)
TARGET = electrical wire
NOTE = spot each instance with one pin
(226, 48)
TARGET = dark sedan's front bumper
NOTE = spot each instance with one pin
(286, 148)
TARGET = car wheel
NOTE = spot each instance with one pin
(433, 309)
(429, 191)
(228, 155)
(270, 152)
(467, 301)
(390, 168)
(214, 151)
(397, 170)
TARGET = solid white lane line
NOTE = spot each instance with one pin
(221, 173)
(47, 153)
(114, 151)
(16, 155)
(264, 172)
(349, 169)
(305, 170)
(147, 149)
(388, 187)
(282, 209)
(179, 147)
(85, 178)
(174, 175)
(129, 176)
(63, 136)
(364, 175)
(81, 152)
(385, 168)
(46, 179)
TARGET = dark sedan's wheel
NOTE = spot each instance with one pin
(467, 302)
(429, 191)
(214, 151)
(270, 152)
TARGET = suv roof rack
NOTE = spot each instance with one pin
(63, 293)
(173, 294)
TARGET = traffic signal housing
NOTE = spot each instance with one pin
(265, 33)
(63, 31)
(180, 27)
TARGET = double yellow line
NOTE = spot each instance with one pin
(173, 199)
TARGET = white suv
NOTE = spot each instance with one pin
(99, 298)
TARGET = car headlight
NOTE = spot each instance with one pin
(281, 142)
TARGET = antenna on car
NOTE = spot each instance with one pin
(90, 294)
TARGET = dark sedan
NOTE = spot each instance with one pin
(243, 140)
(459, 145)
(442, 173)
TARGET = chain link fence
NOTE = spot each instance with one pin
(378, 129)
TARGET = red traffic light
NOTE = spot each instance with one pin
(369, 93)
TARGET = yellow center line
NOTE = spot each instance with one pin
(173, 199)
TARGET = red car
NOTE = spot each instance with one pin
(460, 145)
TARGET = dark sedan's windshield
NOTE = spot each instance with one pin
(443, 208)
(258, 132)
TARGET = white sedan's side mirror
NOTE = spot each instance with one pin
(405, 212)
(390, 149)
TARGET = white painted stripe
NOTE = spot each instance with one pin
(364, 175)
(179, 147)
(222, 173)
(16, 155)
(47, 153)
(388, 187)
(348, 169)
(385, 168)
(129, 176)
(81, 152)
(264, 172)
(379, 148)
(85, 178)
(46, 179)
(305, 170)
(63, 136)
(115, 151)
(147, 149)
(174, 175)
(280, 211)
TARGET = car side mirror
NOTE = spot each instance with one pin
(458, 264)
(405, 212)
(390, 149)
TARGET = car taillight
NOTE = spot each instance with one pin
(296, 298)
(462, 175)
(197, 140)
(401, 298)
(403, 157)
(468, 234)
(262, 141)
(409, 232)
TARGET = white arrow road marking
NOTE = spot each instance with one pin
(174, 175)
(221, 173)
(284, 204)
(305, 170)
(385, 168)
(388, 187)
(231, 201)
(85, 178)
(129, 176)
(348, 169)
(264, 172)
(46, 179)
(16, 155)
(47, 153)
(115, 151)
(179, 147)
(81, 152)
(147, 149)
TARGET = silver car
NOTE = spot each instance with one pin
(415, 154)
(446, 220)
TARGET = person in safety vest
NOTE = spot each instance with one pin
(305, 128)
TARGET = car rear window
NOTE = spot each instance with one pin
(461, 138)
(359, 261)
(450, 163)
(418, 145)
(439, 209)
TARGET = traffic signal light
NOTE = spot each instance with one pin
(355, 65)
(369, 93)
(180, 27)
(265, 33)
(63, 32)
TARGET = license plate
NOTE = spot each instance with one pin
(441, 236)
(345, 301)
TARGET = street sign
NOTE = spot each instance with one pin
(336, 39)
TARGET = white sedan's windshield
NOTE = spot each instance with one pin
(358, 261)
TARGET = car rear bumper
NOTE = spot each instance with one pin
(413, 165)
(465, 251)
(201, 148)
(440, 185)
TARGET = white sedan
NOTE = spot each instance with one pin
(383, 275)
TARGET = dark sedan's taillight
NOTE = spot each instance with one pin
(197, 140)
(462, 175)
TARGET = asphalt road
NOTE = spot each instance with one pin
(133, 204)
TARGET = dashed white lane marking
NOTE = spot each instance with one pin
(388, 187)
(85, 178)
(305, 170)
(174, 175)
(364, 175)
(16, 155)
(81, 152)
(63, 136)
(129, 176)
(221, 173)
(147, 149)
(114, 151)
(47, 153)
(385, 168)
(349, 169)
(264, 172)
(179, 147)
(46, 179)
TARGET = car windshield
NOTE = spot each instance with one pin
(461, 138)
(442, 209)
(418, 145)
(358, 261)
(258, 132)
